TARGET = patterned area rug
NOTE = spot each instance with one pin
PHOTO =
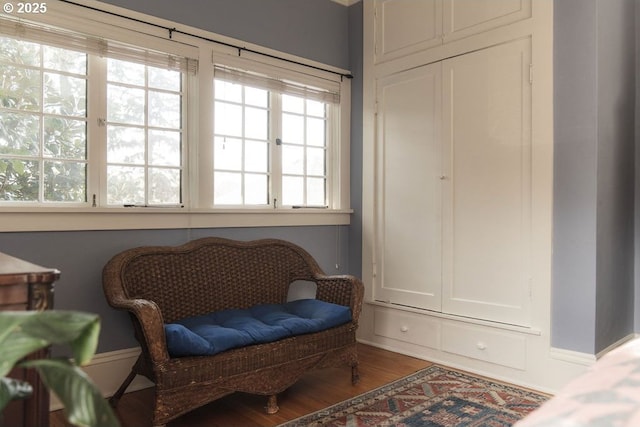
(434, 397)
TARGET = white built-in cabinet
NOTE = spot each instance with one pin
(454, 185)
(457, 183)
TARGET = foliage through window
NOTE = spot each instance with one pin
(144, 149)
(68, 135)
(43, 123)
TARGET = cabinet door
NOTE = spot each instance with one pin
(408, 169)
(403, 27)
(463, 18)
(487, 194)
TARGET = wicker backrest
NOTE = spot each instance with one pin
(211, 274)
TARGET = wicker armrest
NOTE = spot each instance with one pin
(342, 289)
(151, 324)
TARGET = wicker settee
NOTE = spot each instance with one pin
(160, 284)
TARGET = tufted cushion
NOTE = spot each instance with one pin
(223, 330)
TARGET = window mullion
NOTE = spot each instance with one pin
(96, 131)
(276, 150)
(41, 154)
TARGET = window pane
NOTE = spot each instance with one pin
(228, 119)
(315, 132)
(315, 161)
(65, 182)
(293, 128)
(125, 185)
(315, 108)
(164, 109)
(20, 180)
(164, 148)
(292, 190)
(256, 156)
(292, 104)
(255, 189)
(316, 192)
(19, 52)
(19, 134)
(228, 188)
(292, 159)
(227, 153)
(125, 105)
(65, 60)
(125, 72)
(65, 138)
(164, 186)
(256, 123)
(125, 145)
(256, 97)
(65, 95)
(164, 79)
(228, 91)
(20, 88)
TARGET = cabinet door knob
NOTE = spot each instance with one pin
(481, 346)
(404, 328)
(443, 177)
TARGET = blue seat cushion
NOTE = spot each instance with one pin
(223, 330)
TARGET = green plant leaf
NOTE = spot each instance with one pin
(14, 343)
(79, 330)
(83, 402)
(11, 389)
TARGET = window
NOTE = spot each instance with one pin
(43, 116)
(304, 151)
(110, 123)
(241, 144)
(88, 121)
(144, 141)
(272, 140)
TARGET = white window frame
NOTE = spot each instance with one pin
(198, 210)
(337, 156)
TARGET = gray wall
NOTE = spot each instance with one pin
(314, 29)
(594, 96)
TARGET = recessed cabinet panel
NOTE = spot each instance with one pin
(408, 150)
(463, 18)
(487, 204)
(406, 26)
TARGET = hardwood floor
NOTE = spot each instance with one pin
(316, 390)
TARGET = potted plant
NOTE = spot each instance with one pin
(23, 332)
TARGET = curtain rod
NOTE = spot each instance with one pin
(239, 48)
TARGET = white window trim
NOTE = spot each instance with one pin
(195, 214)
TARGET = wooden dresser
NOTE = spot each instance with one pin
(26, 286)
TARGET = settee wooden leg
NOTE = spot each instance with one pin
(113, 401)
(272, 404)
(355, 375)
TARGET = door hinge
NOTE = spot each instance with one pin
(530, 73)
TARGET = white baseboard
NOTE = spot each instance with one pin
(108, 370)
(574, 357)
(615, 345)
